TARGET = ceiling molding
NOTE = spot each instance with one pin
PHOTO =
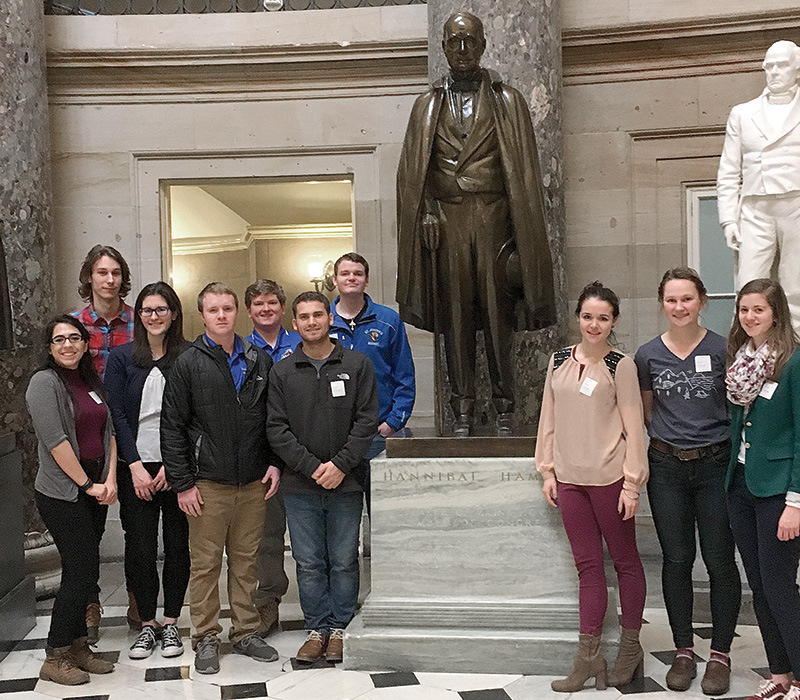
(197, 245)
(673, 49)
(237, 73)
(301, 231)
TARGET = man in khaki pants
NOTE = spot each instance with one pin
(218, 460)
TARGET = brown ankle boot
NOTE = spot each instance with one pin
(630, 660)
(60, 667)
(86, 659)
(589, 661)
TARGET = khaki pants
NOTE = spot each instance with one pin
(232, 520)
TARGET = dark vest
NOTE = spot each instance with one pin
(466, 158)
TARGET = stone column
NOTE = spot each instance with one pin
(523, 45)
(26, 274)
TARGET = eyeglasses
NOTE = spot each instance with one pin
(74, 339)
(147, 312)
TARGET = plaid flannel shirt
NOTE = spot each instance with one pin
(103, 335)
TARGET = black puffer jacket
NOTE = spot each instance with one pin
(208, 431)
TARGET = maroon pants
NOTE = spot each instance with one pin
(589, 514)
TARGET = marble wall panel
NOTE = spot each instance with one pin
(642, 104)
(598, 216)
(609, 264)
(596, 160)
(465, 529)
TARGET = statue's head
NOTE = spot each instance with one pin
(463, 43)
(782, 66)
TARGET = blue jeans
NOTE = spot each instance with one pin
(323, 528)
(684, 494)
(771, 568)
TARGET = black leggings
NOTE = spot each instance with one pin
(77, 528)
(140, 523)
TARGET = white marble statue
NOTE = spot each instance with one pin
(758, 183)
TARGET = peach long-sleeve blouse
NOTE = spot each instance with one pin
(591, 428)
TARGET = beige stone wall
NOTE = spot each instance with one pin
(138, 102)
(647, 90)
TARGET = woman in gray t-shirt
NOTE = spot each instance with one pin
(681, 376)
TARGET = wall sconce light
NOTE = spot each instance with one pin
(272, 5)
(321, 275)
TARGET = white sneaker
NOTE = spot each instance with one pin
(144, 644)
(794, 691)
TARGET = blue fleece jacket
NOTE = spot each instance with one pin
(381, 336)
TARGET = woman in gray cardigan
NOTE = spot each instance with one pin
(75, 484)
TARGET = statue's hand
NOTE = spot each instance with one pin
(430, 232)
(733, 239)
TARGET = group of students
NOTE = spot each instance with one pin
(123, 406)
(723, 462)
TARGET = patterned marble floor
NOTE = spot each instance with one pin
(285, 679)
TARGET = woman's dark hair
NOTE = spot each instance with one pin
(682, 273)
(596, 290)
(86, 370)
(781, 338)
(174, 341)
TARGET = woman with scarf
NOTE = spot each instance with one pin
(763, 480)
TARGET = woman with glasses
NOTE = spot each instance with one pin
(75, 484)
(135, 378)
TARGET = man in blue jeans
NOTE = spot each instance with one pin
(322, 413)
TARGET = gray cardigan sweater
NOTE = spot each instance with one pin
(53, 416)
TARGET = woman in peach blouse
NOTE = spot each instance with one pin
(591, 452)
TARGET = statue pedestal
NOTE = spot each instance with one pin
(471, 571)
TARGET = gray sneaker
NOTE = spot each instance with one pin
(256, 648)
(206, 656)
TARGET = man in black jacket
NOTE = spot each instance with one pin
(218, 460)
(322, 416)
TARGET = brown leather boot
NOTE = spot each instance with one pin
(93, 611)
(86, 659)
(134, 621)
(60, 667)
(589, 662)
(630, 659)
(269, 618)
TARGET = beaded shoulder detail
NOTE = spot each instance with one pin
(561, 356)
(612, 360)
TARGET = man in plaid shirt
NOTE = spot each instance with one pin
(105, 280)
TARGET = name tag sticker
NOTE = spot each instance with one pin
(768, 389)
(588, 386)
(702, 363)
(337, 388)
(95, 397)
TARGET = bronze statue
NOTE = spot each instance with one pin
(472, 235)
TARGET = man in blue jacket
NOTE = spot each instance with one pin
(266, 301)
(377, 331)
